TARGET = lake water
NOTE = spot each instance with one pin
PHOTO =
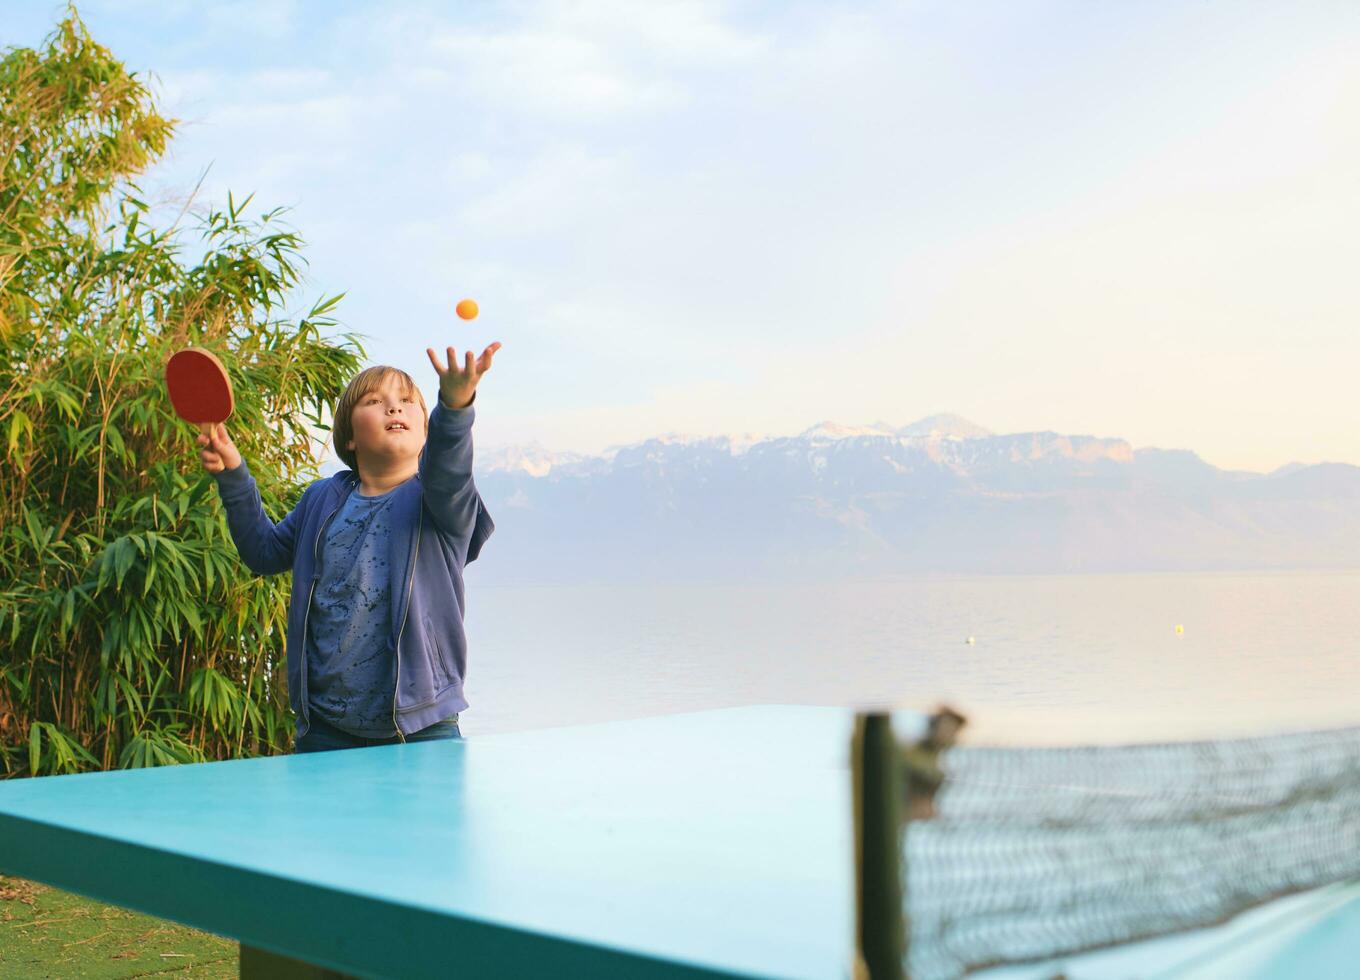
(1258, 651)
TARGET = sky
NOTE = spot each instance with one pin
(1131, 220)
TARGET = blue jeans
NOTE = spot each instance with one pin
(324, 737)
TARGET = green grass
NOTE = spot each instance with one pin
(45, 932)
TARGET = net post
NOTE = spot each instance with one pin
(880, 928)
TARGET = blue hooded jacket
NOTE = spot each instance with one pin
(439, 524)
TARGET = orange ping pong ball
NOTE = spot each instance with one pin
(467, 309)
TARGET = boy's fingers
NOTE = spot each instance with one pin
(434, 359)
(470, 361)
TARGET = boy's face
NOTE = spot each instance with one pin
(388, 424)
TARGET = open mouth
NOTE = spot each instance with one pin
(396, 427)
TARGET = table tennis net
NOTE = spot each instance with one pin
(1015, 855)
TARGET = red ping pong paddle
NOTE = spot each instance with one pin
(199, 387)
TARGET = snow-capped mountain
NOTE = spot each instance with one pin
(944, 427)
(826, 431)
(531, 459)
(941, 494)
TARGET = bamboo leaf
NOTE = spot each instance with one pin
(195, 622)
(35, 747)
(20, 425)
(324, 306)
(35, 531)
(124, 556)
(68, 611)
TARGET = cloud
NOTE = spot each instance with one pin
(564, 189)
(688, 34)
(569, 63)
(550, 74)
(189, 91)
(213, 22)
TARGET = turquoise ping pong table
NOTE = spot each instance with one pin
(703, 845)
(712, 844)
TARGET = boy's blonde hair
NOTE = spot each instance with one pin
(366, 381)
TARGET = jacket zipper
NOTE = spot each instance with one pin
(405, 615)
(306, 615)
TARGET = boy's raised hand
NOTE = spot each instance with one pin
(219, 452)
(457, 385)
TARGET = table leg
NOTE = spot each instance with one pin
(259, 964)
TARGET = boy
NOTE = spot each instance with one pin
(376, 650)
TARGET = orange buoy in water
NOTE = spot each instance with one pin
(467, 309)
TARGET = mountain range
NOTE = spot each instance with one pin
(938, 495)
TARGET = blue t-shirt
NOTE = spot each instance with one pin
(351, 675)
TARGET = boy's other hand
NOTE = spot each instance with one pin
(219, 452)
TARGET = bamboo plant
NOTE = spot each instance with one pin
(130, 633)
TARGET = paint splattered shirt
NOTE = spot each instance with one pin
(351, 673)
